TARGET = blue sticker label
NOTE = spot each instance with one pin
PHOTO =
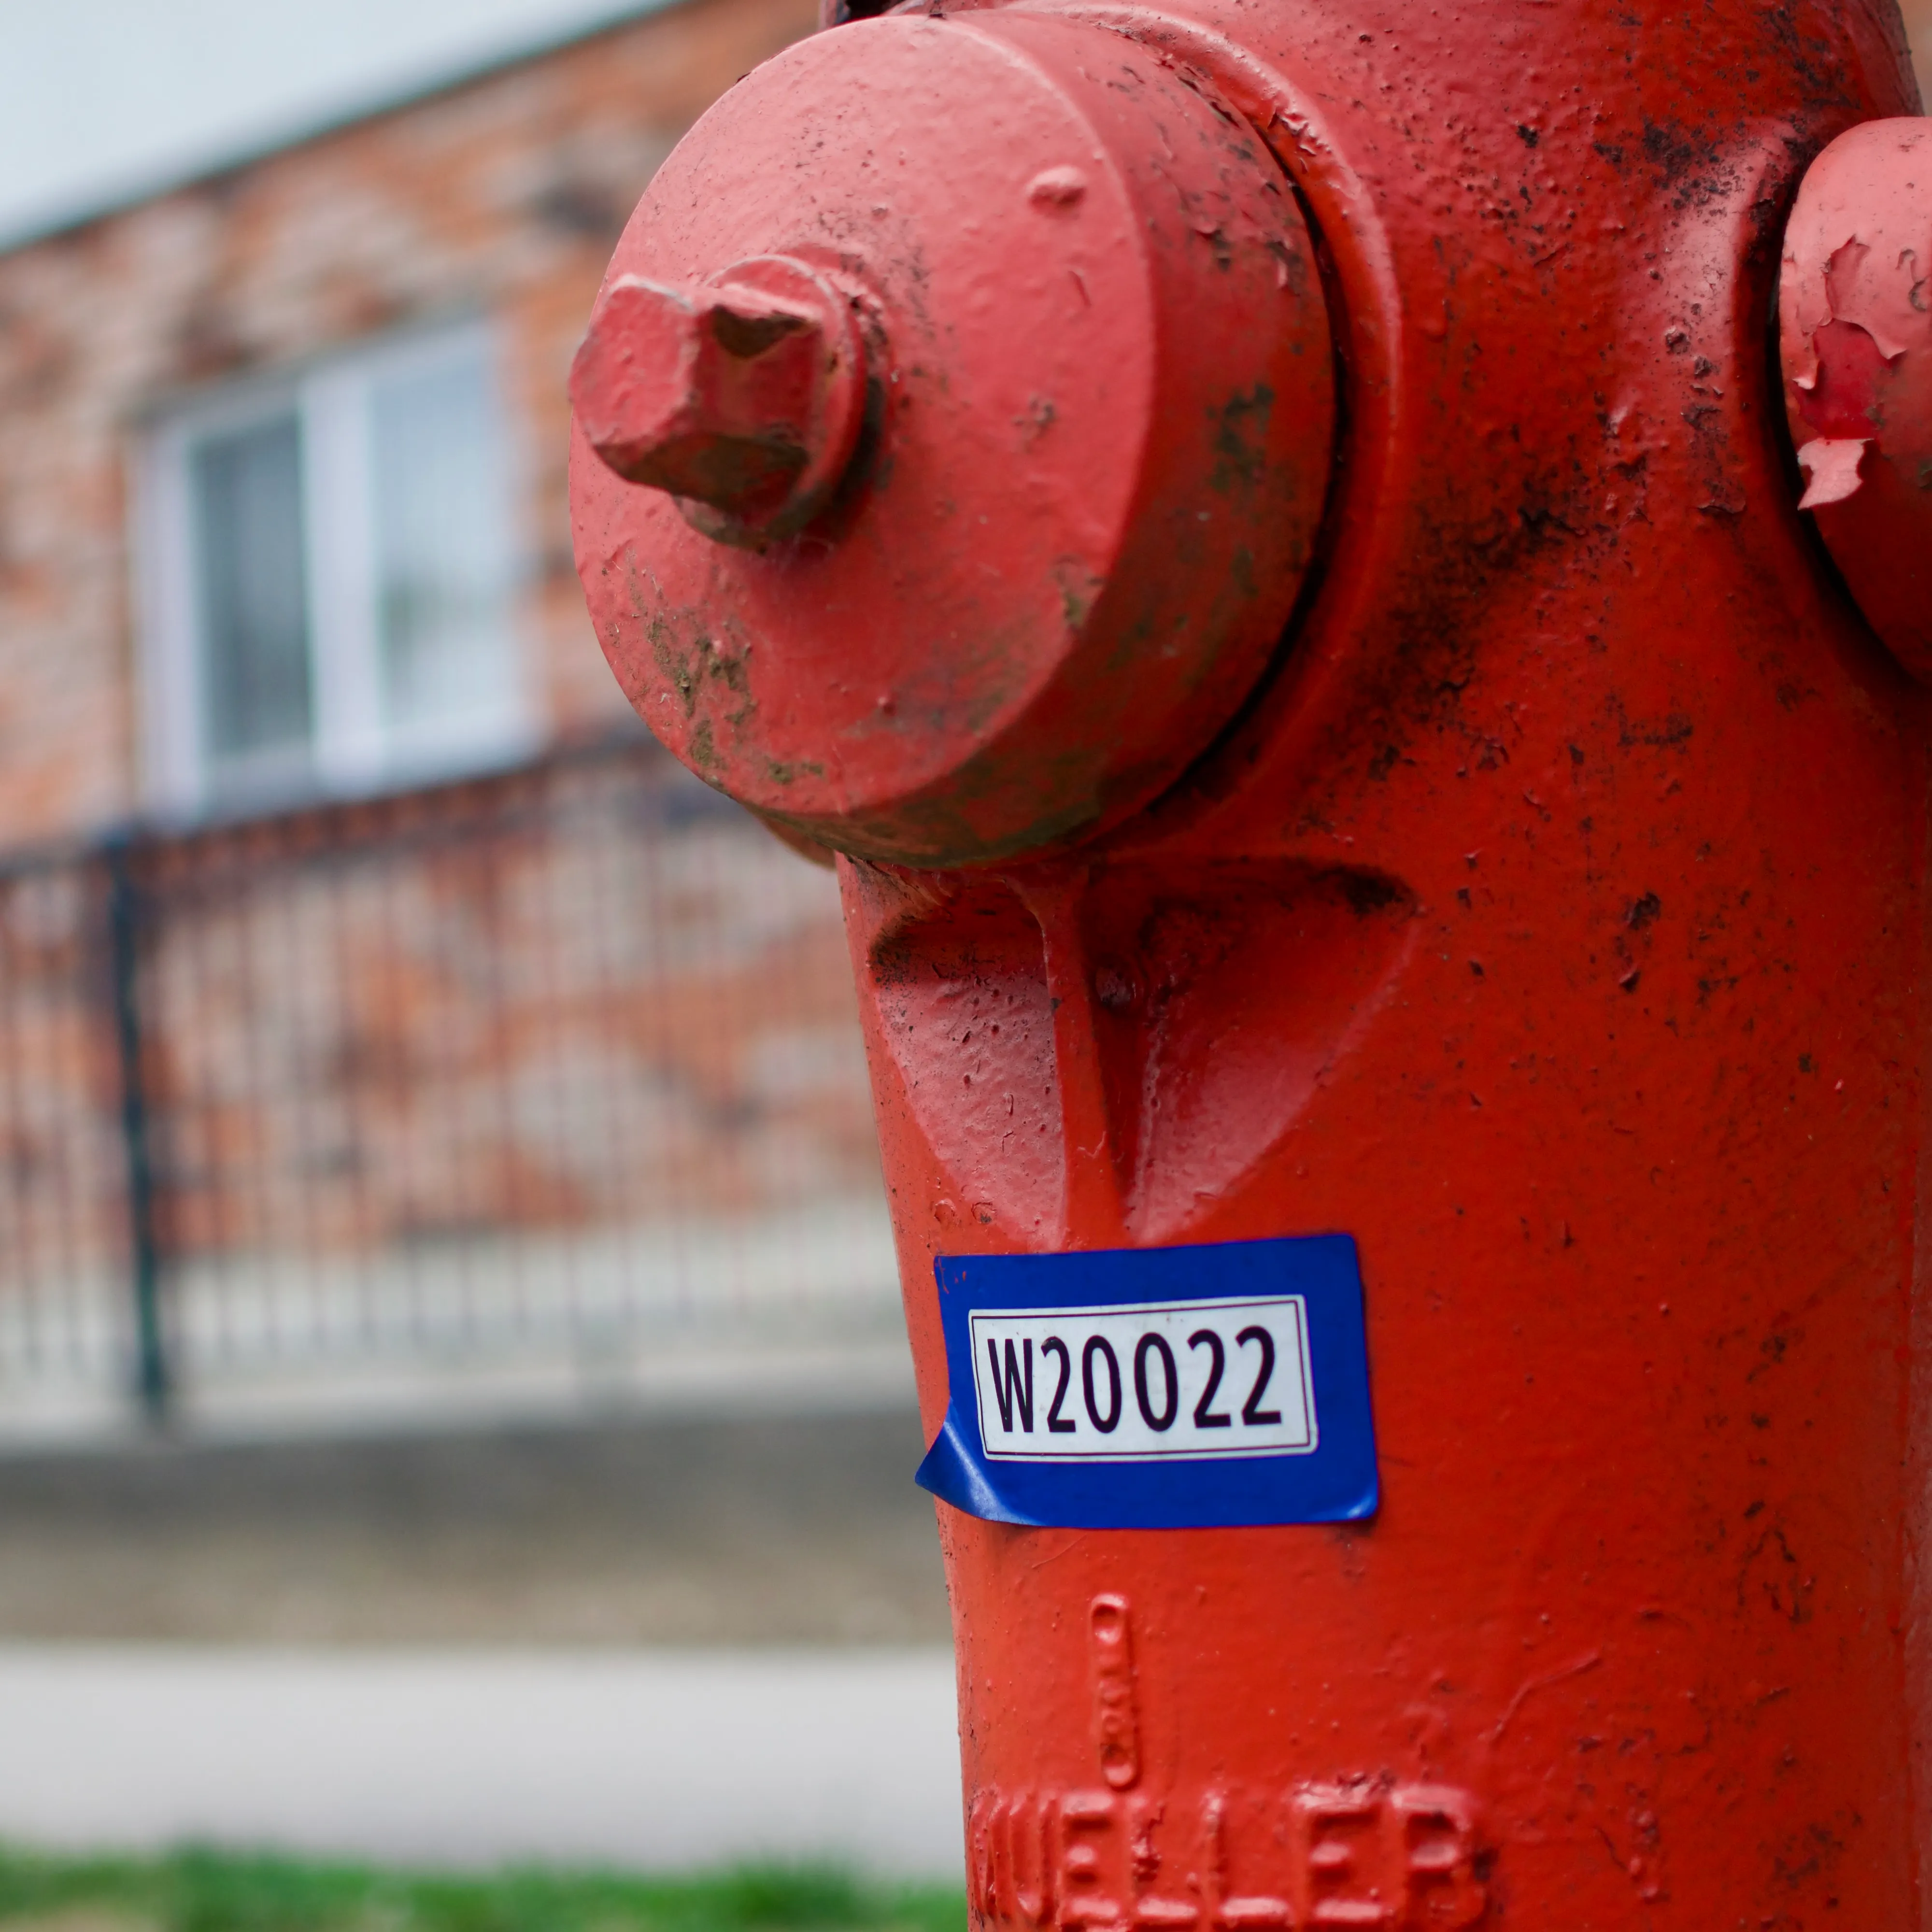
(1157, 1388)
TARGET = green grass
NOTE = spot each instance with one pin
(209, 1891)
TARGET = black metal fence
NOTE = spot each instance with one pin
(546, 1084)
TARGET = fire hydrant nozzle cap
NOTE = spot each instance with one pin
(1855, 337)
(996, 352)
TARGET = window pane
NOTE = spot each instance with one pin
(442, 547)
(247, 489)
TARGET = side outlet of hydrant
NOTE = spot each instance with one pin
(1350, 590)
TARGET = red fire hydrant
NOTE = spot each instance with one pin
(1386, 860)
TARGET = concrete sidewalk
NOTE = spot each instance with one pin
(799, 1532)
(650, 1760)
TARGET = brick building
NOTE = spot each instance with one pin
(438, 257)
(429, 1012)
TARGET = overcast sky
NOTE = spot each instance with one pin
(101, 100)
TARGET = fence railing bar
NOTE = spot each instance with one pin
(153, 1377)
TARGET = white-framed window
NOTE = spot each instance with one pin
(329, 576)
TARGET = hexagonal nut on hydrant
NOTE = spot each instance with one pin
(742, 399)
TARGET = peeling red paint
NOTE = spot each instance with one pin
(1856, 323)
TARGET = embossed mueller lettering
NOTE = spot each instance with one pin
(1379, 1854)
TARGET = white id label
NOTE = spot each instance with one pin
(1172, 1380)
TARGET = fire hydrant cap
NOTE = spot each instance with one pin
(1067, 435)
(1855, 333)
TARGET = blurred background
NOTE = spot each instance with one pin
(453, 1401)
(440, 1219)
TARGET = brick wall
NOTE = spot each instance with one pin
(570, 1050)
(502, 196)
